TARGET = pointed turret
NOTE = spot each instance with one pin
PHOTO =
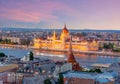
(54, 35)
(65, 26)
(71, 58)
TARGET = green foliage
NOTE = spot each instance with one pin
(98, 71)
(7, 41)
(60, 79)
(111, 46)
(47, 81)
(116, 50)
(94, 70)
(108, 46)
(91, 70)
(2, 54)
(31, 55)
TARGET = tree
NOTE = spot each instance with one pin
(98, 70)
(95, 70)
(109, 46)
(2, 54)
(31, 55)
(60, 79)
(47, 81)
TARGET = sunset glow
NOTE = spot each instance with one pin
(77, 14)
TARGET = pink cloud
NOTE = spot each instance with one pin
(25, 16)
(35, 12)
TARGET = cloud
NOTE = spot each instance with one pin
(25, 16)
(34, 10)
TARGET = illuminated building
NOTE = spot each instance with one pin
(62, 43)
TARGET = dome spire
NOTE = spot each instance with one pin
(65, 26)
(65, 30)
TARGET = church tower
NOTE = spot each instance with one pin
(71, 58)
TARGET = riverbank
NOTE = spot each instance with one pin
(83, 52)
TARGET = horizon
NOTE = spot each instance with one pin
(85, 29)
(52, 14)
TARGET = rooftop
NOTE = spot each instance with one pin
(104, 77)
(8, 67)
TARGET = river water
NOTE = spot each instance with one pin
(85, 60)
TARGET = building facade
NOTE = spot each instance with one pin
(62, 42)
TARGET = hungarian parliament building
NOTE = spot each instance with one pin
(62, 43)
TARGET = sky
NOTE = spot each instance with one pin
(76, 14)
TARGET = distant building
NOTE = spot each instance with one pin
(115, 42)
(6, 70)
(114, 67)
(11, 77)
(88, 78)
(35, 79)
(62, 68)
(12, 39)
(35, 71)
(62, 42)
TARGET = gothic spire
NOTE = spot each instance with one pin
(54, 35)
(70, 53)
(71, 58)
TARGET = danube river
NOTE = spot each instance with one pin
(85, 60)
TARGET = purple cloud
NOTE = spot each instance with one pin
(33, 12)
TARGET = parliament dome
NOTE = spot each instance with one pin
(65, 30)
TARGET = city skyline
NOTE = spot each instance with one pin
(79, 14)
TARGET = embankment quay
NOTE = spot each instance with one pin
(105, 53)
(15, 46)
(83, 52)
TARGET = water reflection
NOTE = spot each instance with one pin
(83, 59)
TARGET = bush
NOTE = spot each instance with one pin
(116, 50)
(108, 46)
(94, 70)
(60, 79)
(2, 54)
(47, 81)
(98, 71)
